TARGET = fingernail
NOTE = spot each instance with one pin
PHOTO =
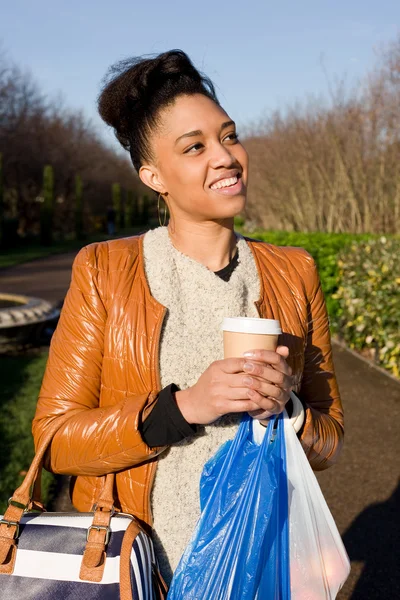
(248, 353)
(248, 367)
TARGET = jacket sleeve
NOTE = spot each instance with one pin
(322, 432)
(94, 441)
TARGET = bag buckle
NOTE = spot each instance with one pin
(112, 511)
(12, 502)
(11, 524)
(105, 528)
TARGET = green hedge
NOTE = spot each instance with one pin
(324, 248)
(369, 300)
(360, 276)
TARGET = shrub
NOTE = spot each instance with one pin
(369, 299)
(324, 248)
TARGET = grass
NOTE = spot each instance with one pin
(27, 252)
(17, 256)
(20, 385)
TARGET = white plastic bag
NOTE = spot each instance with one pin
(319, 564)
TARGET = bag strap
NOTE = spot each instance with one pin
(27, 495)
(159, 587)
(22, 495)
(21, 501)
(98, 534)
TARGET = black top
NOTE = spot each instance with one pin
(166, 425)
(227, 271)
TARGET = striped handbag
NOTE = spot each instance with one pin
(103, 555)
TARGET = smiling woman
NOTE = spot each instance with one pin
(137, 357)
(199, 168)
(183, 145)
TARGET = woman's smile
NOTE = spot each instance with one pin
(229, 186)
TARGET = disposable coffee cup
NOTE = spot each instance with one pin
(246, 333)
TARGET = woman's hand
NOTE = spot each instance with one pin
(272, 379)
(227, 387)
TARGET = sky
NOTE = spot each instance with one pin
(261, 54)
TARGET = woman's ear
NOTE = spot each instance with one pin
(149, 176)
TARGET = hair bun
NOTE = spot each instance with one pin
(137, 88)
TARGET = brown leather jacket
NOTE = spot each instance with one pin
(103, 367)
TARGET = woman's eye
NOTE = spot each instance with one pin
(230, 137)
(194, 147)
(233, 136)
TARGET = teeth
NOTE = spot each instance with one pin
(224, 183)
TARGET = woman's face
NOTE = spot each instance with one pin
(199, 163)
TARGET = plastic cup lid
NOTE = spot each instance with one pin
(250, 325)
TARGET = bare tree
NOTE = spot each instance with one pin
(35, 131)
(335, 167)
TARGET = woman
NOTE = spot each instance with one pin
(137, 356)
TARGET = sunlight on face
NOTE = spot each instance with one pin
(200, 162)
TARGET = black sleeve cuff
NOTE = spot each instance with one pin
(166, 425)
(289, 407)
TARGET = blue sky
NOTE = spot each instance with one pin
(261, 55)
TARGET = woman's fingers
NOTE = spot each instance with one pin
(270, 404)
(276, 360)
(236, 395)
(263, 387)
(260, 415)
(228, 366)
(268, 374)
(268, 397)
(283, 351)
(239, 406)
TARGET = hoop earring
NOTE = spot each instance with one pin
(165, 211)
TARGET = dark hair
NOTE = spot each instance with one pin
(136, 89)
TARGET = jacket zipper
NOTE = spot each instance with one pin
(156, 369)
(157, 384)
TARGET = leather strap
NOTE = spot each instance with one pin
(125, 571)
(8, 555)
(23, 493)
(106, 497)
(125, 584)
(21, 501)
(94, 556)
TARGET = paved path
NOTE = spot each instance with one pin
(47, 278)
(362, 490)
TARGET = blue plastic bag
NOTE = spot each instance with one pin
(240, 547)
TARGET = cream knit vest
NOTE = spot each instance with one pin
(197, 301)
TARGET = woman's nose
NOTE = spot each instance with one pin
(222, 157)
